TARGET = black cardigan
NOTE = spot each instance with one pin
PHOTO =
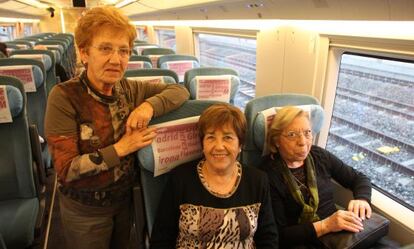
(185, 187)
(287, 211)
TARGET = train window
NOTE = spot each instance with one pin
(166, 38)
(6, 33)
(27, 29)
(238, 53)
(142, 33)
(372, 126)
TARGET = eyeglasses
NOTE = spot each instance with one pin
(108, 50)
(294, 135)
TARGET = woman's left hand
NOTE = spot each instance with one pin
(140, 117)
(361, 208)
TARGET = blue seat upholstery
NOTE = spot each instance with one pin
(167, 76)
(255, 136)
(146, 62)
(48, 60)
(152, 187)
(19, 203)
(138, 47)
(155, 53)
(190, 79)
(36, 107)
(165, 62)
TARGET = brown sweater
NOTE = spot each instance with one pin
(82, 125)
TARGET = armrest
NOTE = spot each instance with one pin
(37, 157)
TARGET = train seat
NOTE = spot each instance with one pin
(21, 210)
(212, 83)
(36, 99)
(178, 63)
(152, 187)
(155, 53)
(155, 75)
(255, 136)
(44, 56)
(138, 47)
(139, 62)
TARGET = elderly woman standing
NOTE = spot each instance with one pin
(300, 184)
(93, 124)
(216, 203)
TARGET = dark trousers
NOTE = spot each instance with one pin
(89, 227)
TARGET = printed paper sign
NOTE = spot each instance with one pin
(180, 67)
(149, 79)
(269, 115)
(140, 48)
(213, 87)
(135, 65)
(5, 114)
(177, 142)
(154, 59)
(23, 73)
(38, 57)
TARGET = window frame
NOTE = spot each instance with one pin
(378, 47)
(167, 28)
(233, 33)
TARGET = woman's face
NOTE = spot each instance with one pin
(295, 141)
(221, 147)
(106, 68)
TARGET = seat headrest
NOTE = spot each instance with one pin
(44, 58)
(15, 100)
(191, 108)
(214, 87)
(23, 72)
(260, 129)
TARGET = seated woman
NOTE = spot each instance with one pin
(301, 189)
(216, 203)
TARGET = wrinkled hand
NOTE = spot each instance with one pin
(139, 117)
(134, 140)
(360, 208)
(343, 220)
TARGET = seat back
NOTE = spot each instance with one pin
(19, 202)
(212, 83)
(178, 63)
(139, 62)
(16, 178)
(154, 75)
(36, 95)
(152, 187)
(138, 47)
(155, 53)
(20, 44)
(44, 56)
(256, 112)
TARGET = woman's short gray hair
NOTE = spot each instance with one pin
(283, 118)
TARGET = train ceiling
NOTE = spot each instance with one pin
(385, 10)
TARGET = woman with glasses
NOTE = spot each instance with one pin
(301, 187)
(94, 124)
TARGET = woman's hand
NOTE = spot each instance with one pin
(134, 140)
(360, 208)
(342, 220)
(139, 117)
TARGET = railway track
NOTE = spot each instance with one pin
(391, 106)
